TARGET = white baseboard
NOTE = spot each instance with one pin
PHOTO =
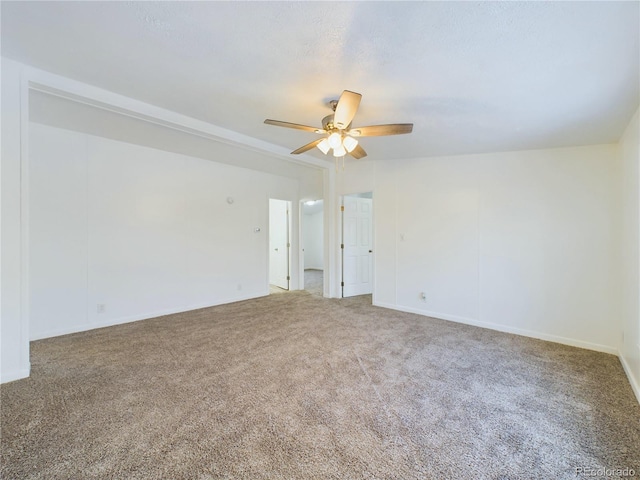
(502, 328)
(134, 318)
(15, 375)
(627, 369)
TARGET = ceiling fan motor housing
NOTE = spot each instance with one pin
(327, 123)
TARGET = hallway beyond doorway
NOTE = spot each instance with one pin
(313, 281)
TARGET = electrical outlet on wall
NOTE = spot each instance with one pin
(101, 308)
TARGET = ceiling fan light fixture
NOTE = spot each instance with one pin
(335, 132)
(339, 152)
(335, 140)
(324, 146)
(349, 143)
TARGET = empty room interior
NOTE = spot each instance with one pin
(320, 240)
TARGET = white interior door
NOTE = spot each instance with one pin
(357, 235)
(279, 243)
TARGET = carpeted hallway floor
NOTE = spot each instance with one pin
(312, 283)
(298, 386)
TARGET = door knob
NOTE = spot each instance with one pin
(276, 249)
(370, 251)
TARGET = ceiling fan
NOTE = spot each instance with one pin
(337, 132)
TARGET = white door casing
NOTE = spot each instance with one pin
(357, 238)
(279, 243)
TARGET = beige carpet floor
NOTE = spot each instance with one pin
(313, 281)
(298, 386)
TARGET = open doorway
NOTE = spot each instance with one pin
(279, 245)
(313, 246)
(357, 244)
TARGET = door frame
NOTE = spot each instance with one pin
(290, 242)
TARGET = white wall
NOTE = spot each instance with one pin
(142, 231)
(630, 155)
(525, 242)
(14, 341)
(312, 237)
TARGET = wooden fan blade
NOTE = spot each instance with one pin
(346, 109)
(297, 126)
(307, 147)
(380, 130)
(358, 152)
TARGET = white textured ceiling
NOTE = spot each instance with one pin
(471, 76)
